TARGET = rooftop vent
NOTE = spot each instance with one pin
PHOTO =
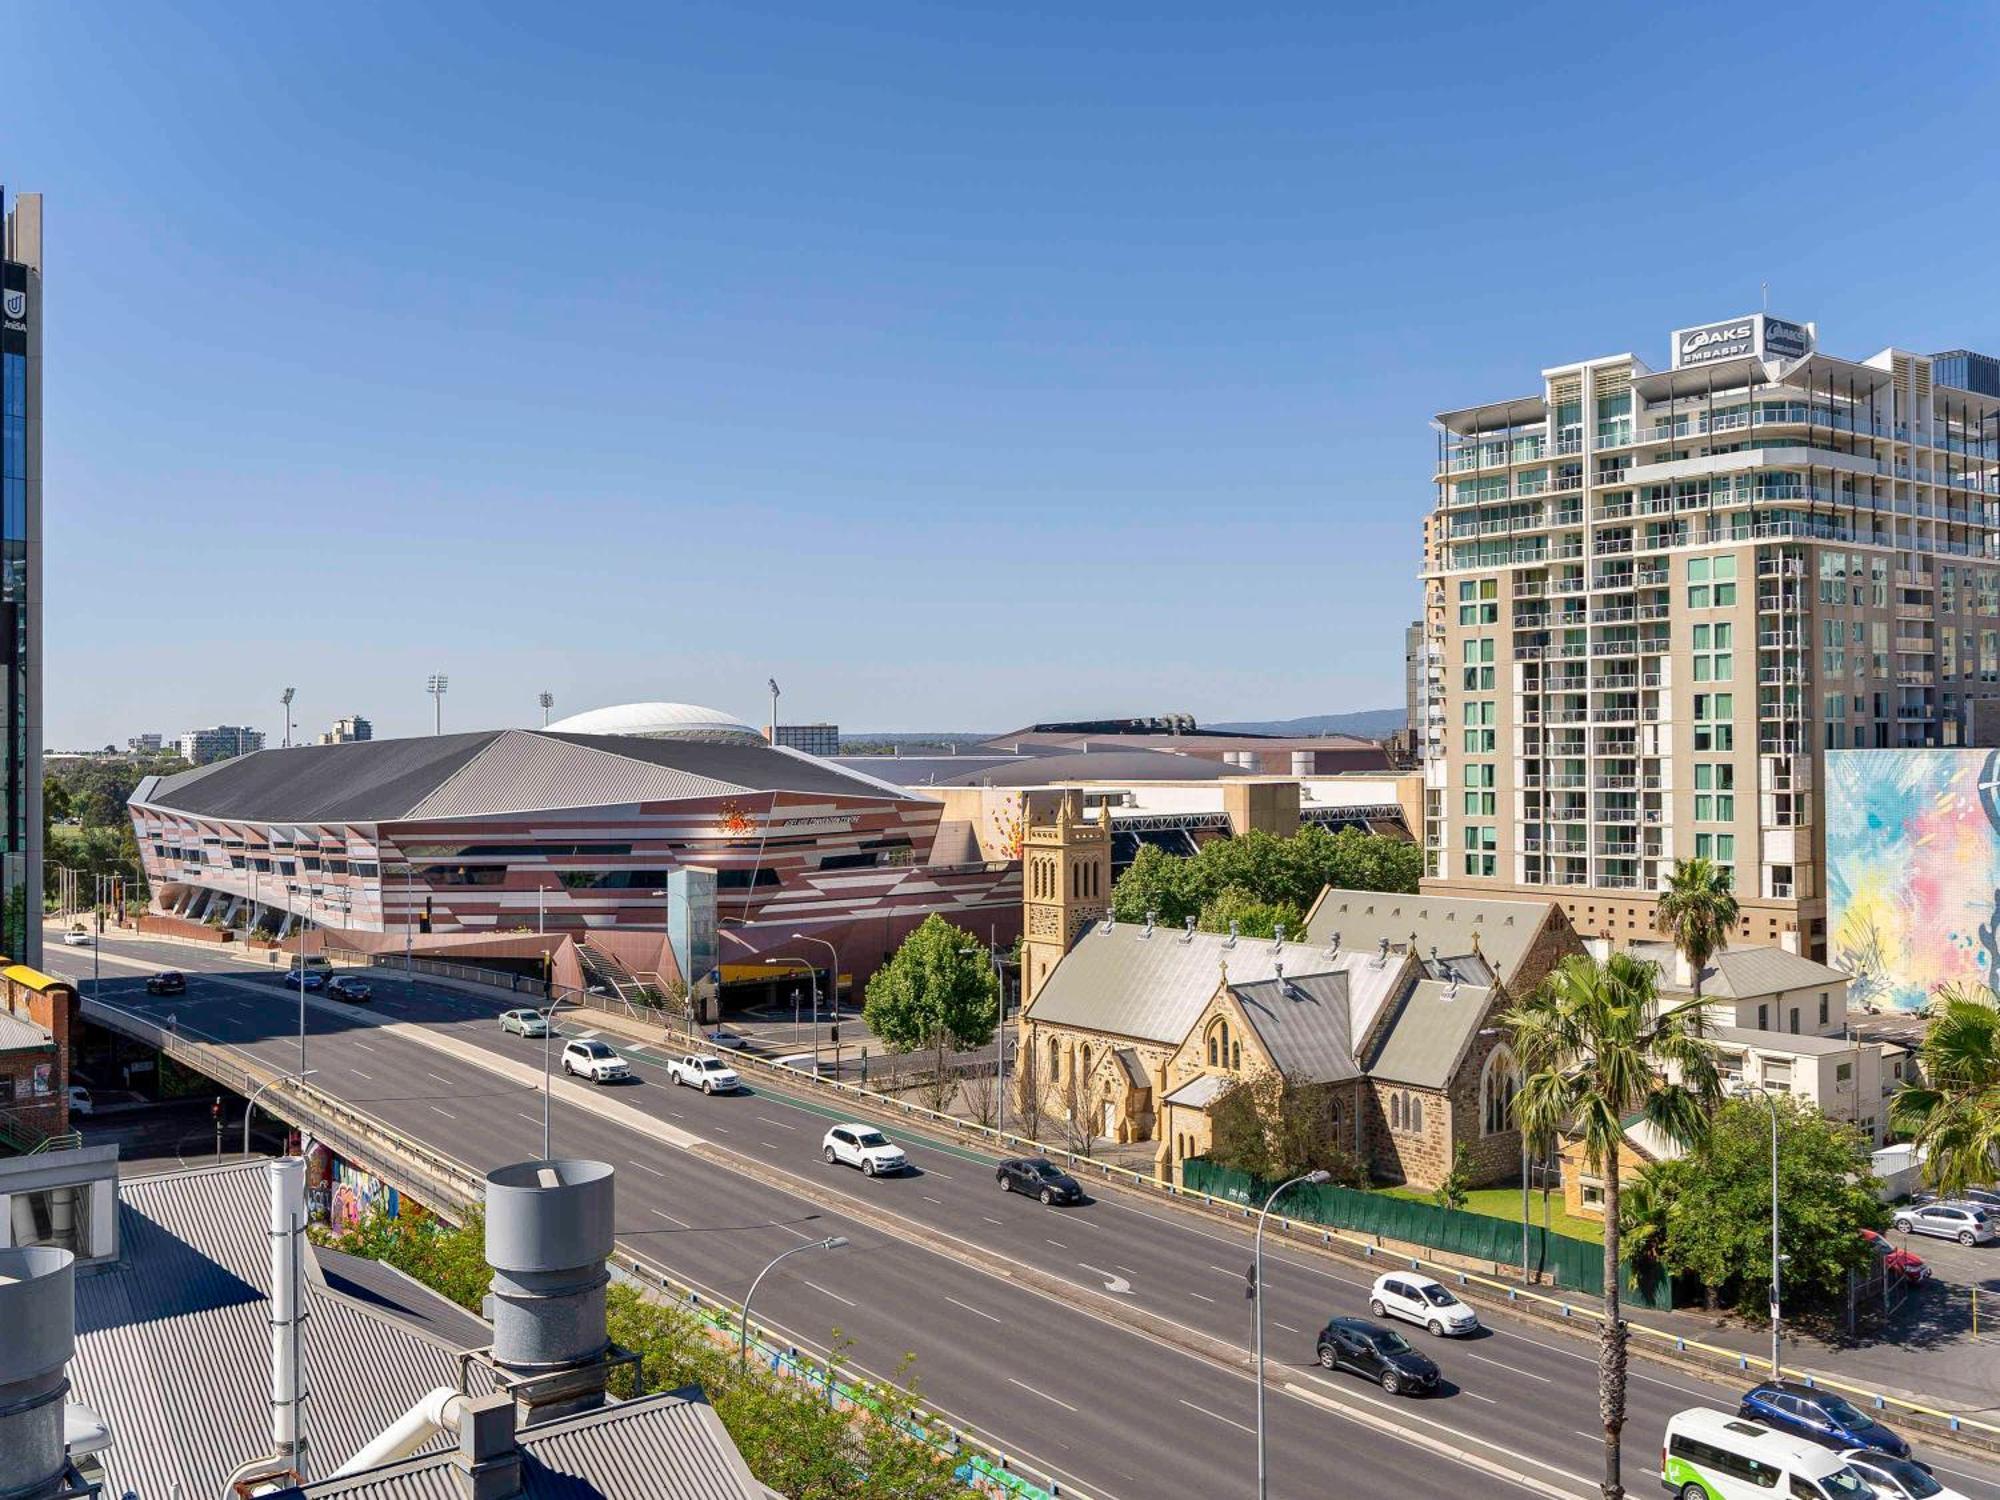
(1188, 936)
(548, 1234)
(38, 1312)
(1382, 954)
(1230, 941)
(1148, 932)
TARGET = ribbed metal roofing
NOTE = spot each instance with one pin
(1303, 1023)
(530, 772)
(670, 1446)
(1744, 973)
(173, 1342)
(1504, 929)
(1430, 1033)
(17, 1034)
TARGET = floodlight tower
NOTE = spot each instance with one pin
(437, 687)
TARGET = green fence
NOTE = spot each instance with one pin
(1577, 1265)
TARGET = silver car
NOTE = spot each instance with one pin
(1965, 1222)
(526, 1022)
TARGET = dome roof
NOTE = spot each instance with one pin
(662, 721)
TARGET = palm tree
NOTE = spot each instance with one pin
(1953, 1114)
(1696, 911)
(1595, 1048)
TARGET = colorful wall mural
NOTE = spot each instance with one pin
(1913, 871)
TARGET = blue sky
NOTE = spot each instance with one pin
(957, 365)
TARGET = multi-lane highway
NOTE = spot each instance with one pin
(1049, 1361)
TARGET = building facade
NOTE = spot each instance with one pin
(1656, 599)
(145, 744)
(813, 739)
(348, 731)
(200, 747)
(21, 585)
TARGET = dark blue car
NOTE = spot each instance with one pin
(1819, 1416)
(314, 979)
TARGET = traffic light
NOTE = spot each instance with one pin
(424, 922)
(836, 1036)
(215, 1109)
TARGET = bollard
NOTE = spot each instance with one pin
(1680, 1345)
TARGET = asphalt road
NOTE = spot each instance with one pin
(1105, 1407)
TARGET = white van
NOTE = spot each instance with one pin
(1713, 1455)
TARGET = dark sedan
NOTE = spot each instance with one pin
(353, 991)
(1038, 1177)
(169, 983)
(1819, 1416)
(1378, 1354)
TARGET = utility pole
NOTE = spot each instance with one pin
(286, 698)
(437, 687)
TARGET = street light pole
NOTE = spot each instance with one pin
(1771, 1102)
(251, 1108)
(831, 1242)
(812, 977)
(1257, 1297)
(832, 990)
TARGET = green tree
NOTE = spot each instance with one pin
(1451, 1192)
(1595, 1048)
(1261, 873)
(1953, 1111)
(937, 992)
(1274, 1126)
(1696, 911)
(55, 804)
(1645, 1209)
(1167, 885)
(1719, 1226)
(1235, 904)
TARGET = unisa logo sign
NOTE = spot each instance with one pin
(15, 305)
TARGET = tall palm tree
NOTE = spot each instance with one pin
(1953, 1113)
(1696, 911)
(1596, 1048)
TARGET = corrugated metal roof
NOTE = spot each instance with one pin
(1798, 1044)
(1505, 929)
(1303, 1023)
(522, 772)
(1201, 1091)
(670, 1446)
(173, 1345)
(1135, 1069)
(1743, 973)
(1429, 1034)
(18, 1034)
(379, 1285)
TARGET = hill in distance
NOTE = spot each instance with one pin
(1367, 723)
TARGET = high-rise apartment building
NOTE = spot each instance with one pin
(1655, 598)
(21, 582)
(219, 742)
(347, 731)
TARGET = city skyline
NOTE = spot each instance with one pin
(1000, 340)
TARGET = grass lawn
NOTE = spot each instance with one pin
(1505, 1203)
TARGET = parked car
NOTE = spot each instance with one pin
(1378, 1354)
(1965, 1222)
(1819, 1416)
(1906, 1264)
(1038, 1177)
(353, 991)
(1986, 1198)
(1711, 1455)
(172, 982)
(526, 1022)
(1419, 1299)
(595, 1061)
(77, 937)
(79, 1100)
(865, 1147)
(1897, 1478)
(704, 1071)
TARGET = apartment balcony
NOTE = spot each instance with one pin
(1654, 611)
(1570, 585)
(1914, 713)
(1530, 588)
(1908, 611)
(1784, 603)
(1616, 783)
(1652, 577)
(1915, 645)
(1615, 510)
(1618, 849)
(1915, 678)
(1615, 545)
(1652, 679)
(1617, 614)
(1910, 579)
(1615, 682)
(1780, 640)
(1617, 882)
(1621, 713)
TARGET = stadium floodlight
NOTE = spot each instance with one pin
(547, 701)
(437, 687)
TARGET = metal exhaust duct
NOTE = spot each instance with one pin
(548, 1234)
(38, 1314)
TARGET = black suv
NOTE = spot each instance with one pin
(169, 983)
(1038, 1177)
(1377, 1353)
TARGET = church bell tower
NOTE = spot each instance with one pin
(1065, 880)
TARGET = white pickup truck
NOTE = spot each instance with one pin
(700, 1071)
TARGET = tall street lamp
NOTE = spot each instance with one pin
(1771, 1102)
(286, 698)
(251, 1108)
(292, 889)
(547, 702)
(832, 990)
(812, 977)
(548, 1015)
(1257, 1296)
(831, 1242)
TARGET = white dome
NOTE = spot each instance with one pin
(662, 721)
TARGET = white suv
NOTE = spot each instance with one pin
(709, 1074)
(865, 1147)
(593, 1060)
(1418, 1299)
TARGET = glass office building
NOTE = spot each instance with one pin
(20, 577)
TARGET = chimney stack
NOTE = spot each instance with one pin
(548, 1235)
(38, 1314)
(487, 1464)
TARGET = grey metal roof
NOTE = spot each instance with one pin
(669, 1446)
(1744, 973)
(18, 1034)
(1429, 1034)
(1804, 1045)
(1303, 1023)
(1135, 1069)
(379, 1285)
(1505, 928)
(492, 771)
(173, 1342)
(1120, 980)
(921, 770)
(1096, 765)
(1201, 1091)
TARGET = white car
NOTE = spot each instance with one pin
(1418, 1299)
(595, 1061)
(77, 937)
(79, 1100)
(1897, 1478)
(700, 1071)
(865, 1147)
(526, 1022)
(1967, 1223)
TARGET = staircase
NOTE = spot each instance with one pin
(602, 971)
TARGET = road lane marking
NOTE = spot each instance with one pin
(671, 1219)
(1239, 1426)
(973, 1310)
(1589, 1437)
(1477, 1397)
(779, 1123)
(445, 1112)
(1198, 1294)
(1043, 1394)
(1286, 1326)
(531, 1119)
(1394, 1427)
(835, 1295)
(993, 1221)
(1057, 1243)
(1117, 1284)
(929, 1199)
(359, 1074)
(644, 1168)
(1501, 1364)
(799, 1232)
(438, 1076)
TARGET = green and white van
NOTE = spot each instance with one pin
(1714, 1455)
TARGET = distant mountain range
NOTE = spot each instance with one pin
(1368, 724)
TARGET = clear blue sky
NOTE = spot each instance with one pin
(956, 365)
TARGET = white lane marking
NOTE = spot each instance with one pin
(363, 1046)
(644, 1168)
(359, 1074)
(1117, 1284)
(438, 1076)
(973, 1310)
(1043, 1394)
(1240, 1427)
(1286, 1326)
(824, 1292)
(1589, 1437)
(531, 1119)
(722, 1130)
(1198, 1294)
(992, 1221)
(671, 1219)
(769, 1145)
(779, 1123)
(445, 1112)
(1057, 1243)
(929, 1199)
(1500, 1364)
(799, 1232)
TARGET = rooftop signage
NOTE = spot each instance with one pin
(1757, 333)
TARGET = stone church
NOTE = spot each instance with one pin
(1391, 998)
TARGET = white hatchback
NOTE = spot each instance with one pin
(865, 1147)
(1418, 1299)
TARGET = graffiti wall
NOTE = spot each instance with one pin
(340, 1194)
(1913, 871)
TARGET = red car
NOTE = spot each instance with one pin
(1896, 1262)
